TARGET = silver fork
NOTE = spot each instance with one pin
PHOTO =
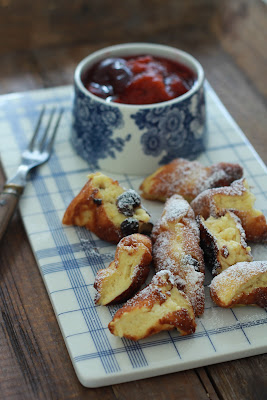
(37, 153)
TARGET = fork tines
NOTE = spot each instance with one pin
(39, 138)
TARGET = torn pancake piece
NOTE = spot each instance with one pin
(176, 248)
(188, 179)
(158, 307)
(236, 198)
(127, 273)
(108, 210)
(223, 241)
(243, 283)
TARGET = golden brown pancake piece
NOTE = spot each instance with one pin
(107, 209)
(158, 307)
(236, 198)
(188, 178)
(176, 248)
(243, 283)
(127, 273)
(223, 241)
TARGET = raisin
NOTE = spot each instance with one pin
(129, 226)
(97, 201)
(224, 251)
(191, 261)
(127, 201)
(195, 264)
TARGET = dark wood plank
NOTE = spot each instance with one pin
(240, 97)
(19, 73)
(207, 383)
(28, 25)
(240, 379)
(241, 28)
(182, 385)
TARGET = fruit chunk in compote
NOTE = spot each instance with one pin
(139, 79)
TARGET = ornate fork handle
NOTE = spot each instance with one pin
(38, 152)
(10, 195)
(9, 199)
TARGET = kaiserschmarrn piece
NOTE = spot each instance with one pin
(223, 241)
(176, 248)
(108, 210)
(243, 283)
(188, 178)
(126, 274)
(238, 199)
(158, 307)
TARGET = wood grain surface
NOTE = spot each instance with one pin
(41, 43)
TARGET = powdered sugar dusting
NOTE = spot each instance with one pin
(160, 286)
(204, 204)
(238, 274)
(189, 178)
(175, 209)
(210, 182)
(182, 176)
(176, 249)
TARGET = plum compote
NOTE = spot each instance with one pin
(141, 79)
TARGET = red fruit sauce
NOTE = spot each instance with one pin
(139, 79)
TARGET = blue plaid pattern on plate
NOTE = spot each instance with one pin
(69, 257)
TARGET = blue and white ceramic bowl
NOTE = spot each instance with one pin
(137, 139)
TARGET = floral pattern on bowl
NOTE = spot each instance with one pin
(93, 130)
(175, 131)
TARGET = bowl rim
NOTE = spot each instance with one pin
(138, 48)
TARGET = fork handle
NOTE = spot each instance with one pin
(9, 199)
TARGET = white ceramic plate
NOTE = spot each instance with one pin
(69, 257)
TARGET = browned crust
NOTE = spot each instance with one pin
(141, 271)
(232, 171)
(181, 320)
(84, 198)
(255, 226)
(257, 296)
(174, 178)
(203, 204)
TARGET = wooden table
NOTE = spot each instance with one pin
(40, 49)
